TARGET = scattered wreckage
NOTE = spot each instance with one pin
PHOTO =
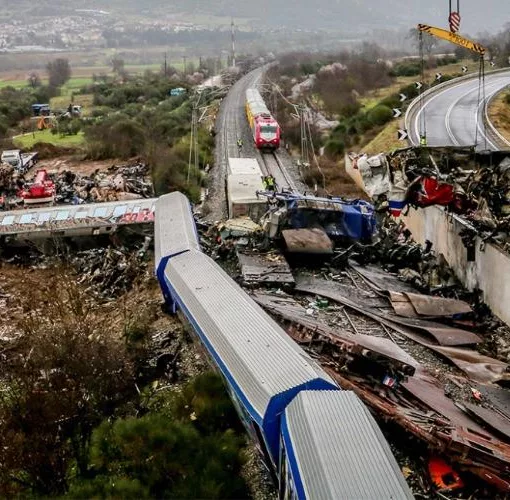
(118, 183)
(422, 358)
(475, 186)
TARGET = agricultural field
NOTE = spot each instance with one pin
(27, 141)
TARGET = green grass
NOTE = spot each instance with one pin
(61, 102)
(28, 140)
(17, 84)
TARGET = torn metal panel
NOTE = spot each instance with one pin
(478, 367)
(481, 454)
(382, 280)
(268, 267)
(334, 289)
(313, 241)
(426, 305)
(443, 334)
(431, 393)
(498, 397)
(309, 329)
(402, 305)
(496, 422)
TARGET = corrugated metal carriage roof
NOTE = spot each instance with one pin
(174, 227)
(339, 449)
(257, 354)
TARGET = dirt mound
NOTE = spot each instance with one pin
(47, 150)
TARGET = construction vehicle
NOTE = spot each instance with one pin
(22, 162)
(45, 122)
(453, 38)
(42, 190)
(73, 110)
(41, 109)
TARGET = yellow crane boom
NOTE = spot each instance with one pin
(453, 38)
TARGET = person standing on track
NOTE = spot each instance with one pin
(239, 144)
(269, 183)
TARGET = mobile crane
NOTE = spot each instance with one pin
(450, 36)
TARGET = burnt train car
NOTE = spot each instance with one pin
(264, 128)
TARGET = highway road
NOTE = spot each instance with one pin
(455, 115)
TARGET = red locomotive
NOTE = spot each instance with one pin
(264, 128)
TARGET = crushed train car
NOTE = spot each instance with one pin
(338, 218)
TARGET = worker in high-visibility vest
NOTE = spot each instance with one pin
(270, 183)
(423, 140)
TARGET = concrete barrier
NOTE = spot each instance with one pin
(486, 268)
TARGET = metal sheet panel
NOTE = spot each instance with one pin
(255, 351)
(174, 228)
(339, 450)
(243, 166)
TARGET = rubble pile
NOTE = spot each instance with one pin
(388, 320)
(472, 185)
(109, 272)
(414, 360)
(117, 183)
(124, 182)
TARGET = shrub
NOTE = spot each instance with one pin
(408, 68)
(380, 114)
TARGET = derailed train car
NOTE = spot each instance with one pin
(268, 375)
(264, 128)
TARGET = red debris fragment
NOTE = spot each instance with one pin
(443, 476)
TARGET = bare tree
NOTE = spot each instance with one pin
(429, 42)
(117, 65)
(34, 80)
(59, 72)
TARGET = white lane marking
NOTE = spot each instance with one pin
(492, 127)
(454, 103)
(483, 103)
(416, 122)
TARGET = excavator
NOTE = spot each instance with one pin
(45, 122)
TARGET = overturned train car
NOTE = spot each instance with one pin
(281, 394)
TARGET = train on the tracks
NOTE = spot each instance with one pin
(318, 441)
(264, 128)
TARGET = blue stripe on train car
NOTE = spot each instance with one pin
(270, 421)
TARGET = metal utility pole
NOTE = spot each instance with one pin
(184, 64)
(232, 32)
(191, 141)
(305, 154)
(166, 67)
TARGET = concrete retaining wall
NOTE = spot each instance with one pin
(489, 269)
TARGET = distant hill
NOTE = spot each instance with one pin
(350, 15)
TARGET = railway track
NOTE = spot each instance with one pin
(272, 165)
